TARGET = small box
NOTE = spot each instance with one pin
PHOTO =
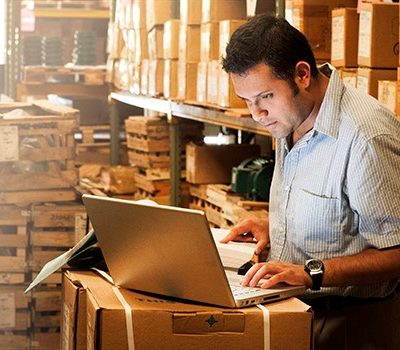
(144, 79)
(141, 46)
(171, 39)
(139, 14)
(213, 81)
(349, 76)
(136, 78)
(219, 160)
(189, 43)
(190, 11)
(158, 12)
(378, 42)
(209, 45)
(156, 43)
(171, 79)
(227, 96)
(202, 82)
(345, 23)
(367, 79)
(187, 80)
(387, 94)
(226, 29)
(218, 10)
(156, 77)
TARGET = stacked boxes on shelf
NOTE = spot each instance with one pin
(371, 65)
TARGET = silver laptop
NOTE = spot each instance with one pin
(169, 251)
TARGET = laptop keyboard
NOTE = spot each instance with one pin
(246, 292)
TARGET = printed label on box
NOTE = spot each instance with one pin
(9, 143)
(364, 38)
(362, 84)
(338, 38)
(7, 310)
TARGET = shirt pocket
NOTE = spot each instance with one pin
(317, 223)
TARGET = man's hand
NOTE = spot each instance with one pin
(249, 230)
(275, 272)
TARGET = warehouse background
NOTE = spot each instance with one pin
(115, 98)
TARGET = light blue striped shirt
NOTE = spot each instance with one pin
(337, 191)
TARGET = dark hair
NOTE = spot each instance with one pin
(270, 40)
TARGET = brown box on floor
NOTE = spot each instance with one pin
(95, 316)
(213, 163)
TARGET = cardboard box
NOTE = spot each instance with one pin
(144, 79)
(349, 76)
(345, 23)
(201, 88)
(256, 7)
(367, 79)
(171, 79)
(218, 10)
(226, 29)
(156, 77)
(220, 160)
(227, 96)
(213, 69)
(141, 46)
(156, 43)
(378, 43)
(158, 12)
(189, 43)
(187, 80)
(171, 39)
(190, 11)
(209, 45)
(313, 18)
(139, 14)
(387, 94)
(135, 86)
(95, 318)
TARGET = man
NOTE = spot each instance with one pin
(334, 220)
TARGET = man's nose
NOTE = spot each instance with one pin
(257, 112)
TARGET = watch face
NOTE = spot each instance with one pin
(314, 264)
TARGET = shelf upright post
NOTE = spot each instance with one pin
(114, 132)
(175, 158)
(280, 8)
(13, 55)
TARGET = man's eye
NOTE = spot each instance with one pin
(266, 96)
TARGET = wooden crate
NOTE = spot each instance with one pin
(156, 127)
(59, 225)
(147, 144)
(149, 159)
(24, 198)
(39, 256)
(99, 153)
(44, 339)
(13, 243)
(38, 149)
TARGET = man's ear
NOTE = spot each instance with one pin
(302, 74)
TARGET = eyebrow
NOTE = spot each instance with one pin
(255, 96)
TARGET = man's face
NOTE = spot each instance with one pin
(272, 101)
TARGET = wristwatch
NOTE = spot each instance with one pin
(315, 268)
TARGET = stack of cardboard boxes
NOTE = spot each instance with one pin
(365, 43)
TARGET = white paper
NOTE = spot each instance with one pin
(9, 143)
(233, 254)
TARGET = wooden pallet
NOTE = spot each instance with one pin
(44, 339)
(13, 243)
(98, 153)
(93, 134)
(39, 256)
(24, 198)
(147, 144)
(156, 127)
(149, 159)
(64, 75)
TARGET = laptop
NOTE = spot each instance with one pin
(169, 251)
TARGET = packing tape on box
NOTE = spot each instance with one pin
(265, 311)
(128, 317)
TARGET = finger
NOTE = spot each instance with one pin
(273, 280)
(249, 274)
(261, 273)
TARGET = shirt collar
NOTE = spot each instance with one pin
(328, 118)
